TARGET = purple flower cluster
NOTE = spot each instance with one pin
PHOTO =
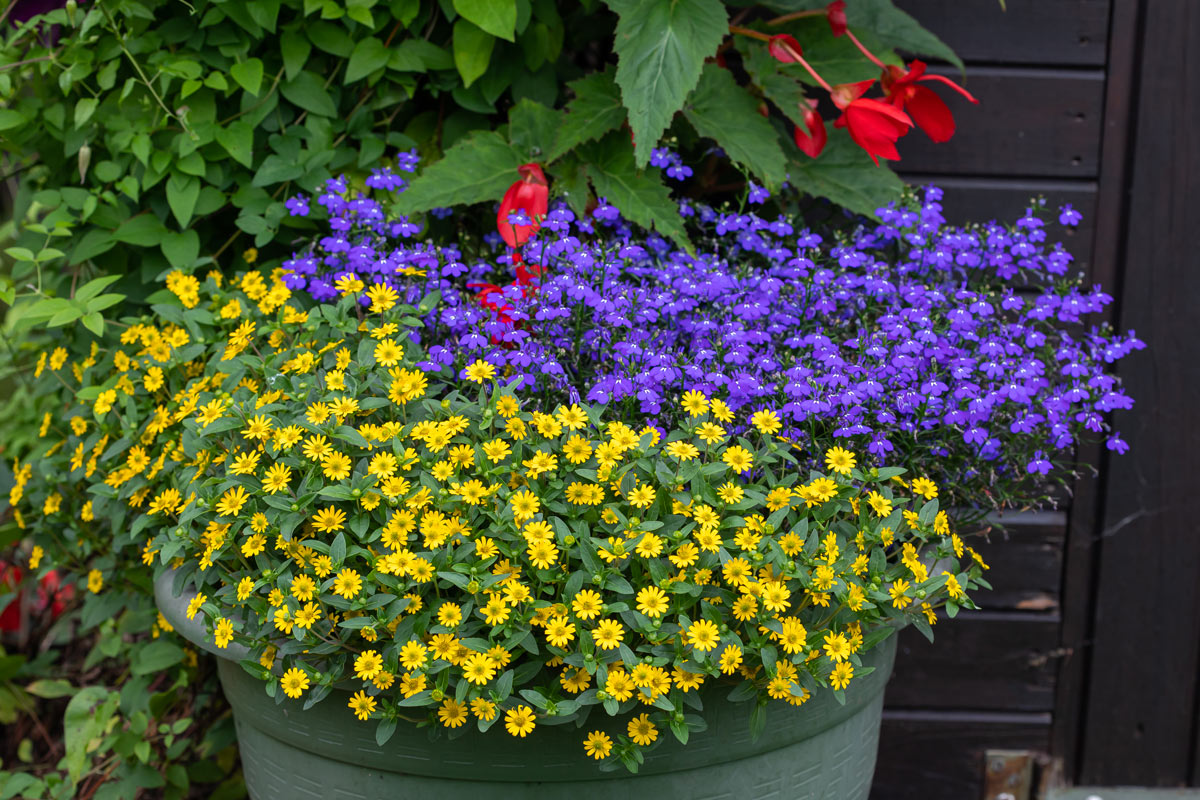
(962, 352)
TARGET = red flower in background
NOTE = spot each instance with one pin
(835, 12)
(928, 111)
(873, 125)
(530, 194)
(812, 141)
(52, 594)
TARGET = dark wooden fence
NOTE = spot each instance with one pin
(1088, 652)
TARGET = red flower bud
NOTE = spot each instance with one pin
(785, 48)
(835, 12)
(812, 141)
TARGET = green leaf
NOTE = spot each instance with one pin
(845, 174)
(782, 89)
(595, 110)
(478, 168)
(497, 17)
(532, 127)
(50, 688)
(248, 74)
(94, 287)
(418, 55)
(277, 169)
(368, 56)
(661, 46)
(295, 49)
(181, 249)
(238, 141)
(94, 322)
(897, 29)
(641, 196)
(308, 91)
(727, 114)
(84, 110)
(11, 119)
(144, 230)
(86, 718)
(472, 50)
(182, 193)
(331, 38)
(155, 657)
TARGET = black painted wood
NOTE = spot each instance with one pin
(1028, 32)
(1141, 716)
(1029, 123)
(926, 755)
(986, 660)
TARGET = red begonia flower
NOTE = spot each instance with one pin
(928, 111)
(10, 615)
(785, 48)
(835, 12)
(530, 194)
(812, 141)
(874, 126)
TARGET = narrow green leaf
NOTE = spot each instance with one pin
(248, 74)
(478, 168)
(497, 17)
(641, 196)
(595, 110)
(368, 56)
(84, 110)
(94, 287)
(726, 113)
(472, 50)
(660, 48)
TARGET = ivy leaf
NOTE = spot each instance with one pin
(532, 128)
(238, 140)
(846, 175)
(477, 168)
(641, 196)
(661, 46)
(727, 114)
(368, 56)
(595, 110)
(897, 29)
(248, 74)
(308, 91)
(181, 249)
(497, 17)
(472, 50)
(295, 50)
(182, 193)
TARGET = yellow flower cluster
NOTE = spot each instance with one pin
(455, 548)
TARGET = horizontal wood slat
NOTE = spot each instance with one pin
(983, 660)
(1025, 556)
(938, 755)
(1029, 122)
(1029, 32)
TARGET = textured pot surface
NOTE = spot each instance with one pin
(820, 751)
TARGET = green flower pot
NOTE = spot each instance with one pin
(820, 751)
